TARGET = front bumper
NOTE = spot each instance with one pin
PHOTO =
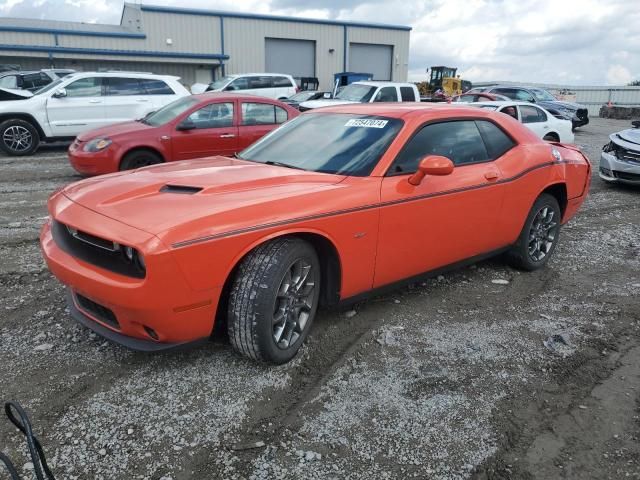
(616, 171)
(579, 122)
(93, 163)
(156, 312)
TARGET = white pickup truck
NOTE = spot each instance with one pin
(368, 92)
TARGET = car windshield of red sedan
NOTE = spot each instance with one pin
(169, 112)
(343, 144)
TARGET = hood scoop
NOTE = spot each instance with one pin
(181, 189)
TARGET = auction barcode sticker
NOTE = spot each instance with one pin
(367, 123)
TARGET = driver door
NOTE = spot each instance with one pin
(81, 109)
(444, 219)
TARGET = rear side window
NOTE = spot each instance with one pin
(262, 114)
(282, 82)
(85, 87)
(124, 86)
(215, 115)
(408, 95)
(9, 81)
(155, 87)
(35, 80)
(459, 141)
(531, 114)
(386, 94)
(496, 141)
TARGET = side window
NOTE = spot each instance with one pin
(238, 84)
(386, 94)
(10, 81)
(85, 87)
(155, 87)
(497, 142)
(459, 141)
(260, 82)
(531, 114)
(507, 92)
(524, 96)
(408, 95)
(281, 82)
(510, 110)
(261, 114)
(124, 86)
(215, 115)
(281, 115)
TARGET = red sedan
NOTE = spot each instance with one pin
(191, 127)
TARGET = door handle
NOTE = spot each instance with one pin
(491, 175)
(142, 100)
(95, 101)
(227, 135)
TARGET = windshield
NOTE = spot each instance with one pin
(221, 82)
(356, 93)
(49, 87)
(302, 96)
(543, 95)
(343, 144)
(170, 111)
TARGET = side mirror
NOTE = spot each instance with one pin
(635, 124)
(431, 165)
(186, 125)
(326, 95)
(60, 93)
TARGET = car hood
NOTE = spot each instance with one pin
(198, 197)
(632, 135)
(325, 103)
(8, 94)
(558, 104)
(114, 130)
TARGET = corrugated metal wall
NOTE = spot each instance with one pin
(398, 38)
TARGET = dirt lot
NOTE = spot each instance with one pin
(446, 379)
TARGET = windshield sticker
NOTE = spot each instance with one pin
(367, 123)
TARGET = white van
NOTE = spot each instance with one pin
(368, 92)
(272, 85)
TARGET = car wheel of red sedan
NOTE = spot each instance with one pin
(139, 159)
(273, 300)
(539, 236)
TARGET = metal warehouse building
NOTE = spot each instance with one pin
(201, 45)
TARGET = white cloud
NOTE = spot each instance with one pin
(542, 41)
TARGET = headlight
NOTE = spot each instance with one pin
(97, 144)
(134, 257)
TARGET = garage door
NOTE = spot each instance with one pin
(295, 57)
(368, 58)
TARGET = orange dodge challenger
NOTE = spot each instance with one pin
(333, 204)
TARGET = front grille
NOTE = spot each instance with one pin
(97, 311)
(629, 156)
(582, 113)
(633, 177)
(94, 250)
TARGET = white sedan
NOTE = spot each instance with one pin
(543, 123)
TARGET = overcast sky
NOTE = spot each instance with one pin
(576, 42)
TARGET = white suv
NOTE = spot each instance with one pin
(273, 85)
(80, 102)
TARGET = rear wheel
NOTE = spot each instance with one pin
(18, 137)
(139, 159)
(539, 235)
(273, 300)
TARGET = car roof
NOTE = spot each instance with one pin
(232, 96)
(500, 103)
(402, 109)
(236, 75)
(119, 74)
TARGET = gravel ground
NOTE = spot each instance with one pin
(485, 373)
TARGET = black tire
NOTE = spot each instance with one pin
(535, 230)
(551, 137)
(258, 297)
(18, 137)
(138, 159)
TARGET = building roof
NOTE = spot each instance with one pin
(33, 25)
(227, 14)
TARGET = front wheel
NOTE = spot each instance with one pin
(273, 300)
(139, 159)
(18, 137)
(539, 235)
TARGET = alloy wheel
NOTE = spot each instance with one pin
(543, 233)
(293, 304)
(17, 138)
